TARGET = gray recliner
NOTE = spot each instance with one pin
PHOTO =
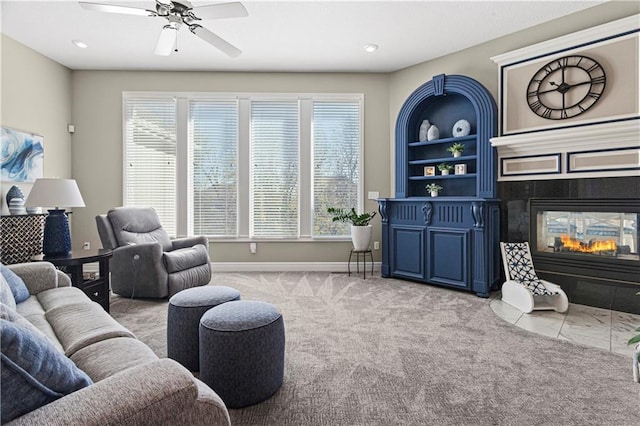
(146, 262)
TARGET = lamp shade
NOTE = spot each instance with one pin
(54, 193)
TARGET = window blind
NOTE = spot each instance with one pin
(274, 169)
(213, 138)
(336, 156)
(150, 157)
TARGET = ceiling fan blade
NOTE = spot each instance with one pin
(221, 10)
(167, 40)
(111, 8)
(215, 41)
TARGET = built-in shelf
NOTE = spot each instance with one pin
(447, 177)
(445, 140)
(443, 160)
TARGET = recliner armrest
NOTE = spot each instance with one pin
(185, 242)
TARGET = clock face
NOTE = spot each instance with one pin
(566, 87)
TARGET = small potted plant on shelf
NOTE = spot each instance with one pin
(434, 189)
(445, 168)
(361, 230)
(456, 149)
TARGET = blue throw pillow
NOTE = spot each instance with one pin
(33, 372)
(6, 296)
(18, 288)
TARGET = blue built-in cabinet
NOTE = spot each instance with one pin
(452, 239)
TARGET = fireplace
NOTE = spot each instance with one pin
(587, 240)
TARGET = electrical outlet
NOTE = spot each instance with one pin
(376, 245)
(86, 245)
(253, 248)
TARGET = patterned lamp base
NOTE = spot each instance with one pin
(57, 238)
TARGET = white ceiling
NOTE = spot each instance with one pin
(277, 35)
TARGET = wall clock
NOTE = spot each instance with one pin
(584, 78)
(566, 87)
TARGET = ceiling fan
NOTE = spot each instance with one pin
(178, 13)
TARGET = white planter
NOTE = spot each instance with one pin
(444, 172)
(457, 153)
(361, 237)
(434, 193)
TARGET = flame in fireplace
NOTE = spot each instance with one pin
(574, 244)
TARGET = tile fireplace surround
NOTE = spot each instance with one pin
(603, 292)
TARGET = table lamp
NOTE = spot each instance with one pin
(58, 193)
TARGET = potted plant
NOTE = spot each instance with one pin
(361, 230)
(636, 354)
(434, 189)
(456, 149)
(445, 168)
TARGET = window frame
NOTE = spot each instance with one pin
(305, 158)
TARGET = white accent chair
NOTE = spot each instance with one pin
(522, 288)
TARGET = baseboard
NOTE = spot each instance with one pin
(288, 267)
(276, 267)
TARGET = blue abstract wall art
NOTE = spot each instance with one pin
(22, 156)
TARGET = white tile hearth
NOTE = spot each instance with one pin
(601, 328)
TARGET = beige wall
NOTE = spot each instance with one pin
(97, 115)
(40, 95)
(36, 98)
(476, 63)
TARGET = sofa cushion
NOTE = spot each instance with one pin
(18, 288)
(185, 258)
(56, 297)
(33, 373)
(108, 357)
(6, 296)
(82, 324)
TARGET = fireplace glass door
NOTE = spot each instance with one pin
(602, 234)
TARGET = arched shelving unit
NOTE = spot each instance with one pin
(452, 239)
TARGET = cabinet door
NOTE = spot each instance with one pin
(407, 251)
(448, 256)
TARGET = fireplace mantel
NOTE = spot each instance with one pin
(599, 150)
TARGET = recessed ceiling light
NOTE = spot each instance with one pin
(370, 47)
(80, 44)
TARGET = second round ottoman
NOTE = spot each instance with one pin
(185, 309)
(242, 351)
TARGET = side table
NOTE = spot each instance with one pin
(73, 263)
(364, 261)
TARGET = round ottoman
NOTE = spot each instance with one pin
(185, 309)
(242, 351)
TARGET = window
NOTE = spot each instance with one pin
(244, 166)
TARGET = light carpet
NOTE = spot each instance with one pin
(390, 352)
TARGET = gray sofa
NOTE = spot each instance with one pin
(131, 385)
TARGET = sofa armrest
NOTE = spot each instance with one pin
(161, 392)
(186, 242)
(40, 276)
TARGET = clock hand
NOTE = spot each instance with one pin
(562, 88)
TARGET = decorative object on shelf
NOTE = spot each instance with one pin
(424, 128)
(461, 128)
(456, 149)
(433, 133)
(461, 169)
(434, 189)
(22, 156)
(58, 193)
(16, 206)
(361, 230)
(429, 171)
(14, 192)
(445, 168)
(551, 94)
(34, 210)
